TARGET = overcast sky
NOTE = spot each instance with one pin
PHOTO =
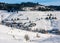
(44, 2)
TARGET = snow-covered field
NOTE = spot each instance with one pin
(37, 17)
(9, 35)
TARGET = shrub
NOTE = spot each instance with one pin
(26, 37)
(37, 36)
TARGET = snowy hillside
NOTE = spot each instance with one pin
(29, 27)
(3, 15)
(7, 35)
(37, 17)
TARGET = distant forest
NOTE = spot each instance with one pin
(18, 7)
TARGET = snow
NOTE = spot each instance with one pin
(46, 25)
(14, 35)
(6, 36)
(37, 17)
(4, 15)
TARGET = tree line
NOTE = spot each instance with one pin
(19, 6)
